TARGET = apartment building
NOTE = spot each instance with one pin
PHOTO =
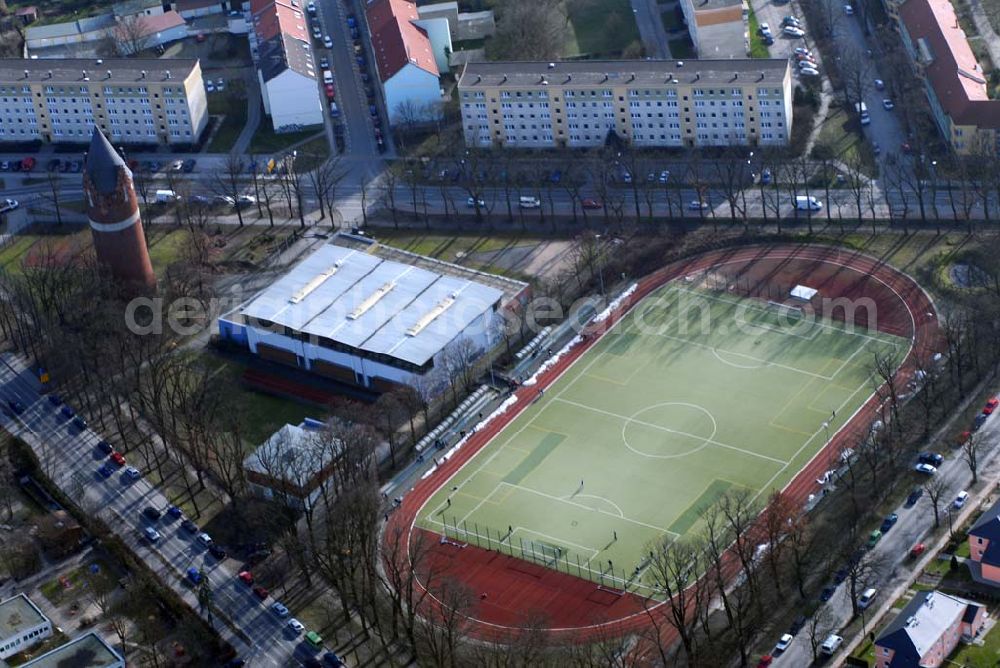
(645, 103)
(132, 101)
(22, 626)
(956, 86)
(718, 28)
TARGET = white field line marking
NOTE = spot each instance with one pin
(585, 507)
(671, 431)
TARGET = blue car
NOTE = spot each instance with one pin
(174, 511)
(55, 399)
(105, 471)
(827, 593)
(67, 412)
(889, 522)
(194, 575)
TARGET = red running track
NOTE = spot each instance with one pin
(514, 593)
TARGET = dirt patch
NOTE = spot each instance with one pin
(546, 259)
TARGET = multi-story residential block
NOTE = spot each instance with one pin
(984, 548)
(957, 89)
(718, 28)
(927, 630)
(281, 46)
(22, 625)
(132, 101)
(88, 650)
(646, 103)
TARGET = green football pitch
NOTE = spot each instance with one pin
(693, 393)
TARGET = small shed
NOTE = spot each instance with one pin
(803, 293)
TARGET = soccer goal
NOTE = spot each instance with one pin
(787, 310)
(541, 552)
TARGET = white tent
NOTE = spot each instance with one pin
(804, 293)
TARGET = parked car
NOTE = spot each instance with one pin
(194, 575)
(809, 72)
(764, 29)
(220, 84)
(831, 644)
(591, 203)
(217, 551)
(189, 165)
(472, 203)
(827, 593)
(991, 405)
(783, 642)
(132, 473)
(926, 469)
(151, 534)
(888, 104)
(279, 609)
(931, 458)
(914, 496)
(866, 597)
(324, 63)
(873, 538)
(792, 31)
(327, 42)
(978, 422)
(765, 177)
(118, 458)
(791, 21)
(105, 470)
(9, 205)
(917, 550)
(260, 592)
(960, 500)
(246, 577)
(105, 447)
(848, 10)
(697, 205)
(295, 626)
(151, 513)
(209, 86)
(889, 522)
(175, 512)
(204, 539)
(189, 526)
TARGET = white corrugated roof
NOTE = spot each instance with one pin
(375, 305)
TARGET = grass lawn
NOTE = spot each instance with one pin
(963, 549)
(468, 44)
(757, 47)
(165, 246)
(681, 48)
(485, 253)
(600, 28)
(671, 21)
(312, 154)
(682, 411)
(988, 654)
(261, 414)
(234, 112)
(266, 141)
(841, 136)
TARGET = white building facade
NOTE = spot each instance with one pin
(22, 625)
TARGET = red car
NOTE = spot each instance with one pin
(765, 661)
(118, 458)
(590, 203)
(27, 164)
(991, 405)
(260, 592)
(329, 91)
(917, 550)
(963, 437)
(246, 576)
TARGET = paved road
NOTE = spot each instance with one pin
(70, 459)
(914, 526)
(651, 30)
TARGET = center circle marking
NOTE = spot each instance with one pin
(635, 417)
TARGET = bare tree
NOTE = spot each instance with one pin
(971, 451)
(529, 30)
(129, 35)
(324, 179)
(936, 487)
(228, 182)
(676, 567)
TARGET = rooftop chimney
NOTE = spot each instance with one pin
(761, 78)
(50, 74)
(85, 77)
(142, 74)
(107, 75)
(680, 63)
(167, 74)
(26, 74)
(552, 66)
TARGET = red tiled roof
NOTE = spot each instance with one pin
(27, 11)
(272, 17)
(396, 40)
(161, 22)
(950, 66)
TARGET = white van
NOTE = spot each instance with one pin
(866, 597)
(166, 196)
(862, 110)
(327, 77)
(803, 203)
(831, 644)
(529, 203)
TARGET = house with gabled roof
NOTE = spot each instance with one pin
(285, 67)
(984, 548)
(928, 630)
(406, 61)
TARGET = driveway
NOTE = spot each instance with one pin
(650, 23)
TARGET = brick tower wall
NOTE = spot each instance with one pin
(119, 240)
